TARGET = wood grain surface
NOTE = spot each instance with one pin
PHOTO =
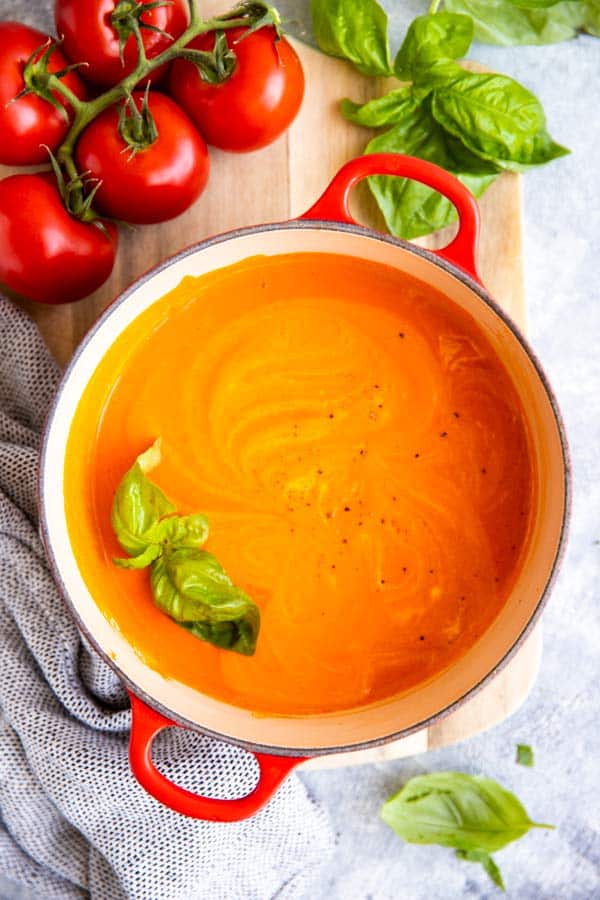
(281, 182)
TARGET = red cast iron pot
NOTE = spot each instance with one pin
(280, 743)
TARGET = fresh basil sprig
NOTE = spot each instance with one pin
(474, 815)
(474, 125)
(188, 584)
(410, 208)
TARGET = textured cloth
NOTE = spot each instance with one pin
(74, 822)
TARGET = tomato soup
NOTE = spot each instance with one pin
(361, 455)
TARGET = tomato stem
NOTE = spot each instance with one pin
(87, 111)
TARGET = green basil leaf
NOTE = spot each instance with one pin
(139, 504)
(591, 22)
(437, 73)
(499, 22)
(525, 755)
(480, 856)
(140, 561)
(191, 587)
(467, 812)
(183, 531)
(355, 30)
(536, 4)
(386, 110)
(239, 635)
(443, 35)
(496, 118)
(412, 209)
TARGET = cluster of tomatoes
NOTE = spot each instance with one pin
(140, 159)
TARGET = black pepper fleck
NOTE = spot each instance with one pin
(400, 334)
(443, 434)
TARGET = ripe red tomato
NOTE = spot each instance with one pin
(30, 121)
(46, 254)
(89, 35)
(155, 183)
(255, 104)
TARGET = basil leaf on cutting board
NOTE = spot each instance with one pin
(472, 814)
(496, 118)
(412, 209)
(355, 30)
(473, 125)
(188, 584)
(444, 35)
(501, 22)
(387, 110)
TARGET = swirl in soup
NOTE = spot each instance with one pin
(361, 455)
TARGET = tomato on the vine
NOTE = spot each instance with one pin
(31, 121)
(150, 184)
(256, 103)
(47, 255)
(90, 35)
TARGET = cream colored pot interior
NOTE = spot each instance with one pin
(386, 718)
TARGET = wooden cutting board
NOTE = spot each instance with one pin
(275, 184)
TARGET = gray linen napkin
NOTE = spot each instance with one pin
(73, 821)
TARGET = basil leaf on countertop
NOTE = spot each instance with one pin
(525, 755)
(496, 118)
(412, 209)
(536, 4)
(192, 588)
(355, 30)
(490, 866)
(139, 504)
(466, 812)
(442, 35)
(591, 22)
(499, 22)
(188, 584)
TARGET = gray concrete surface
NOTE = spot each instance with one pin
(560, 719)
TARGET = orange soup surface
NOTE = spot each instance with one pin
(361, 455)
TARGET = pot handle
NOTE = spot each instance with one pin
(145, 725)
(334, 203)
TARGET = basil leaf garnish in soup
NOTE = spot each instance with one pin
(139, 504)
(188, 584)
(192, 587)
